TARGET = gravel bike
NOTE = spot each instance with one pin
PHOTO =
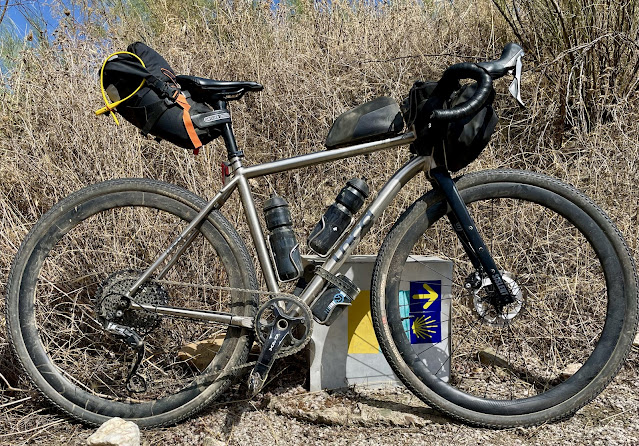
(116, 289)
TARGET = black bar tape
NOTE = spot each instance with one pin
(449, 82)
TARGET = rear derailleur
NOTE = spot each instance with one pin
(114, 312)
(135, 382)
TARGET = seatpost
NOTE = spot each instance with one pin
(227, 134)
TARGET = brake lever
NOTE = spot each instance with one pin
(515, 86)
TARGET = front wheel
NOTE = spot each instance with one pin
(541, 357)
(69, 277)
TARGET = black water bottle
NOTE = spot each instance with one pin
(338, 216)
(284, 246)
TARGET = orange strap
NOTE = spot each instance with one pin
(181, 100)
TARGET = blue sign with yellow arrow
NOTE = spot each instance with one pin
(425, 310)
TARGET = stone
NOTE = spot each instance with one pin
(636, 341)
(570, 370)
(210, 441)
(489, 357)
(116, 432)
(200, 354)
(373, 410)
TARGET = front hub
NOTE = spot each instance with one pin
(486, 302)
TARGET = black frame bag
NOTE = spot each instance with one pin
(370, 121)
(160, 107)
(454, 144)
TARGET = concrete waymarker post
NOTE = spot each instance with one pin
(347, 352)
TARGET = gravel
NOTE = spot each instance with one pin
(286, 414)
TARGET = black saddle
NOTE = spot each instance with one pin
(217, 90)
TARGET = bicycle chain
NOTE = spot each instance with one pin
(212, 378)
(224, 288)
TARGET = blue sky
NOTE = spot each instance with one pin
(33, 8)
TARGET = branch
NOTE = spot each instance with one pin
(4, 10)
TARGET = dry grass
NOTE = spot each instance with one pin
(314, 66)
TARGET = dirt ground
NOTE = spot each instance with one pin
(286, 414)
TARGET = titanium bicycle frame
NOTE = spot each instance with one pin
(238, 179)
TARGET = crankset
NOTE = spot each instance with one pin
(283, 325)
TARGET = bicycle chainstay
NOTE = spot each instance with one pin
(211, 378)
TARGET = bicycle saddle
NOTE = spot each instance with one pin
(203, 86)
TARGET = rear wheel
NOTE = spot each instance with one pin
(543, 356)
(70, 274)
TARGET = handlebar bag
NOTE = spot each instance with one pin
(370, 121)
(160, 107)
(452, 144)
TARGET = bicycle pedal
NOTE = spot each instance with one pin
(256, 382)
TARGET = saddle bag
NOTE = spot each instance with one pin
(453, 144)
(370, 121)
(143, 89)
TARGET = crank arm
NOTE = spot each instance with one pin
(280, 331)
(258, 375)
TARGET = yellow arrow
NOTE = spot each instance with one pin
(430, 297)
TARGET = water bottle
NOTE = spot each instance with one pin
(338, 216)
(284, 246)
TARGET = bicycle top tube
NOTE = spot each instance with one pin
(324, 156)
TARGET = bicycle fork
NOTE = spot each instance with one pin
(472, 242)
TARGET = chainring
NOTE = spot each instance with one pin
(111, 301)
(298, 337)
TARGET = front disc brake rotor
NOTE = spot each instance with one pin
(489, 313)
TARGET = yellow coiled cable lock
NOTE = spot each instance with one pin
(111, 106)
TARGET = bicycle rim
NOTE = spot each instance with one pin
(553, 345)
(73, 279)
